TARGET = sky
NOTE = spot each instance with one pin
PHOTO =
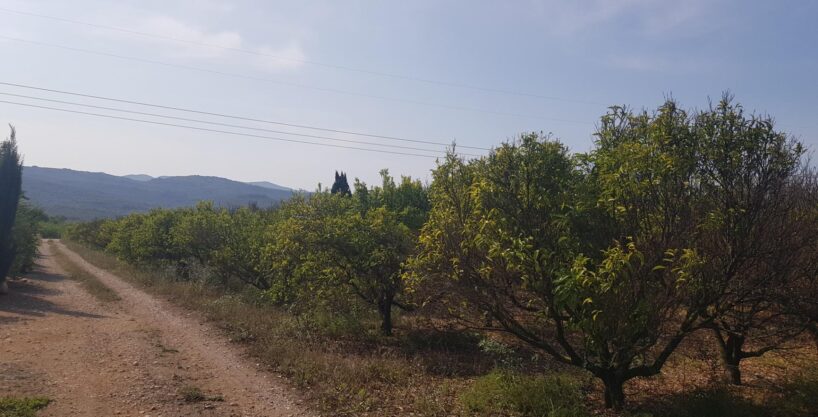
(475, 73)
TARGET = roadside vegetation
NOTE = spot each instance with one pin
(21, 223)
(655, 274)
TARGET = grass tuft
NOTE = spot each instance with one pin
(502, 392)
(22, 407)
(193, 394)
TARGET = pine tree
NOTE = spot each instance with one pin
(340, 186)
(11, 174)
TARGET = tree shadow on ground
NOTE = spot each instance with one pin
(28, 298)
(797, 399)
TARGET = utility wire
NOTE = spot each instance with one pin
(302, 61)
(223, 124)
(296, 85)
(249, 119)
(215, 130)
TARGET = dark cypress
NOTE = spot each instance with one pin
(340, 186)
(11, 174)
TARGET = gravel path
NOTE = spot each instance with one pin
(130, 357)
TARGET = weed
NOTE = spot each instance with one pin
(22, 407)
(166, 349)
(193, 394)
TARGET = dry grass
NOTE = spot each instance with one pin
(88, 281)
(347, 369)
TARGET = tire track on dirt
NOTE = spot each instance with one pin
(127, 357)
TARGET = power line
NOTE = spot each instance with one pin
(296, 85)
(228, 116)
(302, 61)
(215, 130)
(223, 124)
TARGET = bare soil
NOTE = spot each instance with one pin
(131, 357)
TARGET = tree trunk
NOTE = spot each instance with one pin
(614, 392)
(385, 310)
(732, 355)
(6, 261)
(733, 371)
(813, 329)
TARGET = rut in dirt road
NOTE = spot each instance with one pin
(136, 356)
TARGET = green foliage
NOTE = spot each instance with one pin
(52, 228)
(22, 407)
(26, 237)
(11, 174)
(504, 356)
(608, 260)
(508, 233)
(503, 392)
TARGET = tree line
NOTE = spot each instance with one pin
(675, 222)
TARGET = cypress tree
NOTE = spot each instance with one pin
(11, 174)
(340, 186)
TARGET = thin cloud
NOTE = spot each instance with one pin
(181, 40)
(172, 28)
(655, 17)
(289, 57)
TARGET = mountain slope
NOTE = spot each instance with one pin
(269, 185)
(138, 177)
(80, 195)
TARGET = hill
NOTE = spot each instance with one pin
(138, 177)
(80, 195)
(269, 185)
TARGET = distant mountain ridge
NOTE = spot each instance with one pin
(138, 177)
(81, 195)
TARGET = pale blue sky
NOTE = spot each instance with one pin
(572, 58)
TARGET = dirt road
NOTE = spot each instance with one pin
(132, 357)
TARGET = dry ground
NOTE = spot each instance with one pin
(135, 356)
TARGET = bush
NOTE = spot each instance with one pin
(25, 236)
(52, 227)
(535, 396)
